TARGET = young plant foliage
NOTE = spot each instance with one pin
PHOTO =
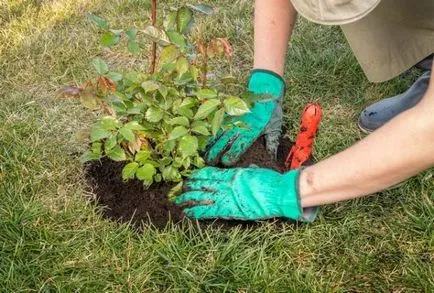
(158, 122)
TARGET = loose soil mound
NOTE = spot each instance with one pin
(130, 202)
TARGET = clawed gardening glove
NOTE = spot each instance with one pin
(242, 194)
(265, 117)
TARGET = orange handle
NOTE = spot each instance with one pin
(302, 149)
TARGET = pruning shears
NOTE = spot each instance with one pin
(301, 151)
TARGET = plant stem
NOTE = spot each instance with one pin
(203, 52)
(154, 44)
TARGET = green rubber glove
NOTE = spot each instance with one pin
(265, 117)
(242, 194)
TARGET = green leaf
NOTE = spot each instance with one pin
(90, 101)
(170, 21)
(206, 94)
(156, 35)
(137, 109)
(165, 161)
(110, 143)
(133, 76)
(131, 33)
(154, 114)
(177, 132)
(109, 39)
(168, 67)
(169, 145)
(146, 172)
(97, 148)
(200, 127)
(188, 145)
(184, 17)
(202, 8)
(150, 86)
(133, 47)
(102, 23)
(199, 162)
(169, 54)
(134, 125)
(182, 65)
(179, 121)
(171, 174)
(114, 76)
(186, 112)
(89, 156)
(188, 103)
(206, 108)
(183, 79)
(99, 133)
(129, 171)
(203, 142)
(175, 191)
(100, 66)
(235, 106)
(158, 178)
(177, 39)
(217, 121)
(142, 156)
(109, 123)
(163, 91)
(186, 162)
(128, 134)
(194, 72)
(117, 154)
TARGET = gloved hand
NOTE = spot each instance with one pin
(265, 117)
(242, 194)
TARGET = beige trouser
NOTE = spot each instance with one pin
(396, 35)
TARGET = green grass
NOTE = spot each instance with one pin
(53, 240)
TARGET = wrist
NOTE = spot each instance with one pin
(290, 198)
(263, 81)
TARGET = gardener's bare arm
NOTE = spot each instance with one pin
(274, 23)
(395, 152)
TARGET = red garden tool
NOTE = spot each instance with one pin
(302, 149)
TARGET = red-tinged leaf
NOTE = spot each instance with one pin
(106, 85)
(229, 51)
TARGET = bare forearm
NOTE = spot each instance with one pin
(393, 153)
(274, 22)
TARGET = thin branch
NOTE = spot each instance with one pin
(204, 54)
(154, 44)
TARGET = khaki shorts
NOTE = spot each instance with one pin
(396, 35)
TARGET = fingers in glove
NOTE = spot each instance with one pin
(194, 198)
(201, 212)
(238, 147)
(208, 186)
(273, 131)
(219, 148)
(212, 173)
(212, 141)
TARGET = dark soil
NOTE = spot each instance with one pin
(131, 202)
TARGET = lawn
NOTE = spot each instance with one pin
(52, 239)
